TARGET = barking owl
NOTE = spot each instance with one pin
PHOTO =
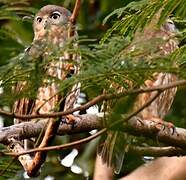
(51, 33)
(112, 149)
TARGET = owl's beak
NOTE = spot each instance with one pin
(45, 24)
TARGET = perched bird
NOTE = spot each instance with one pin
(51, 33)
(153, 42)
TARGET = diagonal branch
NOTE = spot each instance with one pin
(94, 101)
(40, 157)
(73, 18)
(75, 12)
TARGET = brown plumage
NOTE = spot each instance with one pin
(112, 149)
(51, 31)
(168, 44)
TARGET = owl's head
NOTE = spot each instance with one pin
(169, 26)
(48, 17)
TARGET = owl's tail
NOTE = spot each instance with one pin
(112, 150)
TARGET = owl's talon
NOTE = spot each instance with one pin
(140, 121)
(170, 127)
(69, 120)
(63, 120)
(174, 131)
(165, 125)
(74, 124)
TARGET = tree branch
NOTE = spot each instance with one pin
(75, 12)
(147, 129)
(156, 151)
(73, 18)
(40, 156)
(27, 130)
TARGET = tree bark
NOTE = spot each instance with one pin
(88, 122)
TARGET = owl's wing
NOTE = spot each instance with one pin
(22, 106)
(167, 45)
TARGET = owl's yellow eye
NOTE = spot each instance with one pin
(39, 19)
(55, 15)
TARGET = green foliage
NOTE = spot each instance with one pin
(136, 15)
(8, 166)
(106, 60)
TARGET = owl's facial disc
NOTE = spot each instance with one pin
(50, 20)
(55, 18)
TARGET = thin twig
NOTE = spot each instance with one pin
(73, 18)
(75, 13)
